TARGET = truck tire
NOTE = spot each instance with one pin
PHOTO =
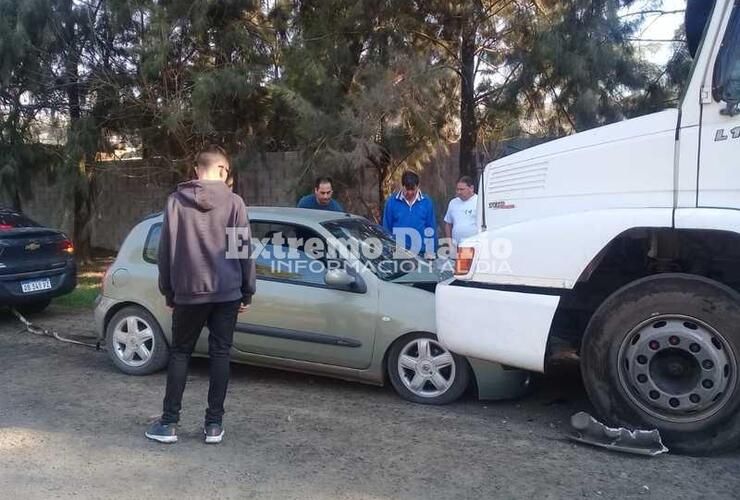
(662, 352)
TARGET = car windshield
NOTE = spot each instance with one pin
(374, 247)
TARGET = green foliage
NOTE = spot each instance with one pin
(24, 30)
(351, 84)
(363, 91)
(578, 69)
(203, 70)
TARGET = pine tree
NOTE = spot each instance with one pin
(24, 34)
(364, 88)
(576, 68)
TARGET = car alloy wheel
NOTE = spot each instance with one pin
(133, 341)
(426, 368)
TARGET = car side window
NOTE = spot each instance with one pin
(151, 246)
(284, 260)
(284, 257)
(273, 262)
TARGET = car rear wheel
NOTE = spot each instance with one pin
(423, 371)
(135, 342)
(662, 353)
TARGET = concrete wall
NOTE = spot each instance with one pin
(51, 204)
(127, 191)
(271, 180)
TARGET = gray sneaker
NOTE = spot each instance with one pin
(164, 433)
(214, 433)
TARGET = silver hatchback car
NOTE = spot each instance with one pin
(373, 325)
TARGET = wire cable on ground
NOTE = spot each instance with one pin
(37, 330)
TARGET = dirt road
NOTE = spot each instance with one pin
(72, 425)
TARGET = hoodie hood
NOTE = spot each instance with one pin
(204, 194)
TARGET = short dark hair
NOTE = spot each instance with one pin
(206, 157)
(409, 179)
(467, 180)
(323, 180)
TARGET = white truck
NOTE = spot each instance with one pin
(624, 242)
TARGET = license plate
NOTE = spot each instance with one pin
(36, 285)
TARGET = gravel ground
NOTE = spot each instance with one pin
(72, 425)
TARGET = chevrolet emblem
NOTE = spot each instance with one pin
(32, 246)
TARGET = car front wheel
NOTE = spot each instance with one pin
(421, 370)
(135, 342)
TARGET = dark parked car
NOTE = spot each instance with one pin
(36, 263)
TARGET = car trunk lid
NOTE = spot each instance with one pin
(29, 249)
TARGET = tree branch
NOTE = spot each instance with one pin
(438, 42)
(654, 11)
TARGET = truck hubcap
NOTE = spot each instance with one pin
(677, 368)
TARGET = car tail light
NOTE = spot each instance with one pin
(5, 227)
(67, 246)
(464, 260)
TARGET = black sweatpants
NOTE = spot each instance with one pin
(187, 323)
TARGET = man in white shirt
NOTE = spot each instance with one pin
(460, 220)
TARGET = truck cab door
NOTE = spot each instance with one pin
(719, 157)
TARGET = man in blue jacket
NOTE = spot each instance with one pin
(409, 215)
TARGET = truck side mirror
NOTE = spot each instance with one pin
(695, 19)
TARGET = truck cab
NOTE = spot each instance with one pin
(623, 243)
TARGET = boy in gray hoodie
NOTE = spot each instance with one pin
(203, 285)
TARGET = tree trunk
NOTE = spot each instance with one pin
(17, 204)
(84, 200)
(82, 192)
(468, 121)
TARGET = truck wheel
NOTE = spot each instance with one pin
(662, 352)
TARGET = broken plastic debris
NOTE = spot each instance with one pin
(588, 430)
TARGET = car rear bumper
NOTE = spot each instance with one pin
(102, 306)
(63, 281)
(495, 325)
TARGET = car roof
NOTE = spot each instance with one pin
(306, 215)
(289, 214)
